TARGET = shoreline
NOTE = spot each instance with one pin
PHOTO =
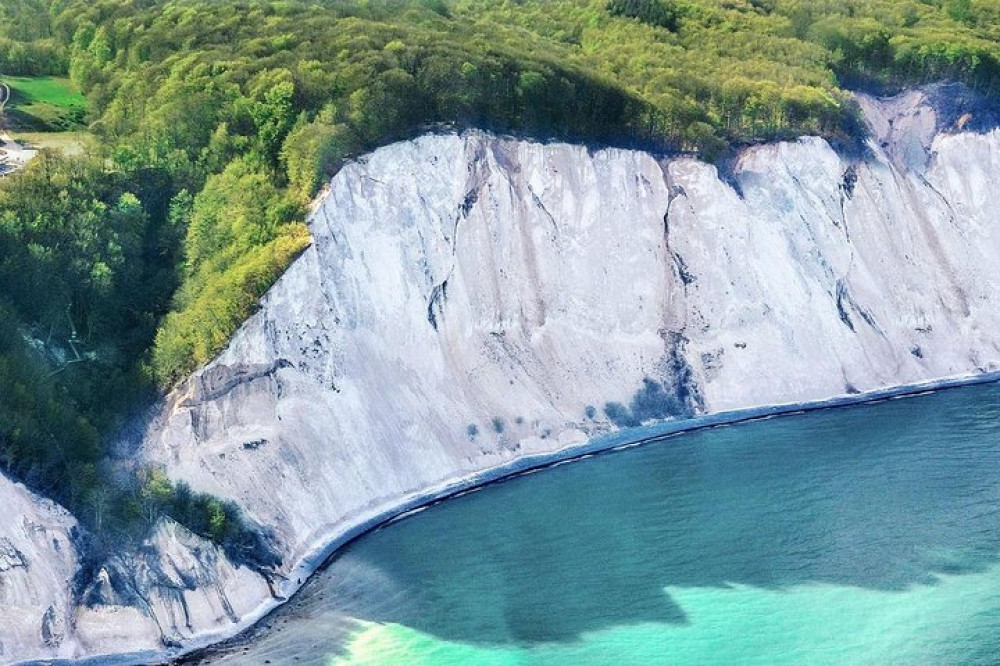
(354, 527)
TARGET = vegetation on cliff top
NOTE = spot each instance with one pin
(122, 270)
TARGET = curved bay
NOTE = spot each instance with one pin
(868, 534)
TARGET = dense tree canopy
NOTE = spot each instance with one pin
(122, 270)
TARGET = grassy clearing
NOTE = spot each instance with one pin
(44, 104)
(71, 143)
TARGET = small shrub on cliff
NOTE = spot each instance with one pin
(209, 517)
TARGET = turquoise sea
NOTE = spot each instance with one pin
(860, 535)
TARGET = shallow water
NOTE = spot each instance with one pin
(864, 535)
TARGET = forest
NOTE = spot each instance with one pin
(215, 123)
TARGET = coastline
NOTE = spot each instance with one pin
(351, 528)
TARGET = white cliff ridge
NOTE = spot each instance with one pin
(471, 301)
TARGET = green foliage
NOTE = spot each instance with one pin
(43, 437)
(312, 153)
(241, 234)
(273, 114)
(205, 515)
(79, 269)
(961, 11)
(28, 45)
(653, 12)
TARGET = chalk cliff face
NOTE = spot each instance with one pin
(37, 559)
(142, 600)
(470, 300)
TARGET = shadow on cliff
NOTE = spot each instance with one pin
(882, 497)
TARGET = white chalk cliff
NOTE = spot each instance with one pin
(469, 300)
(37, 559)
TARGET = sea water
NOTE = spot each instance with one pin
(861, 535)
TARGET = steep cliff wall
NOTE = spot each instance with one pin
(470, 300)
(37, 559)
(142, 600)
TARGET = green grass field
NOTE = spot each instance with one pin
(44, 104)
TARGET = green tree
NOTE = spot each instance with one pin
(654, 12)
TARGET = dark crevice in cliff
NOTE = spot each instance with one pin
(849, 180)
(845, 301)
(841, 308)
(435, 306)
(218, 380)
(541, 206)
(675, 192)
(476, 184)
